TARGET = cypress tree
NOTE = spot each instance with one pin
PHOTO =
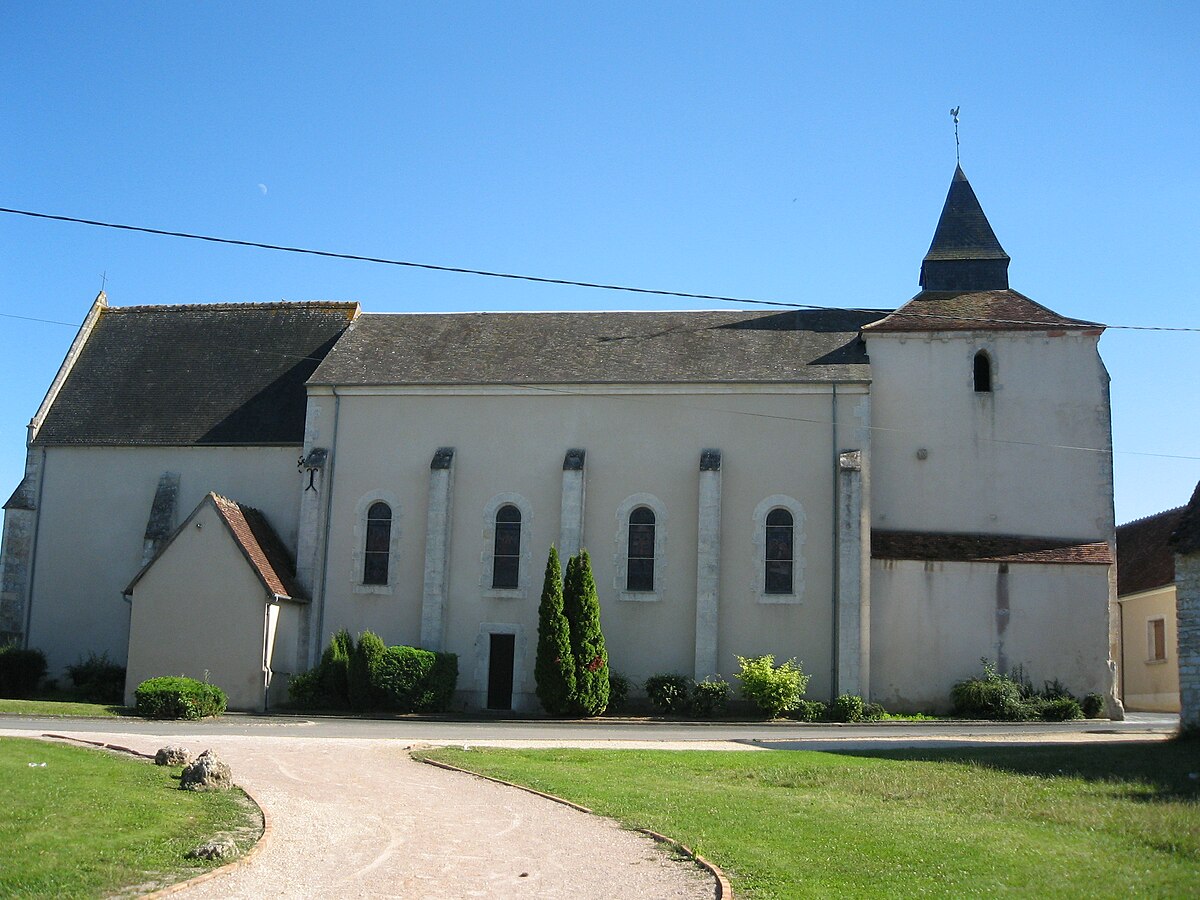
(582, 608)
(554, 669)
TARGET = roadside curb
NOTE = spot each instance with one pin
(267, 832)
(724, 890)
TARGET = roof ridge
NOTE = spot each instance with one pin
(1157, 515)
(233, 305)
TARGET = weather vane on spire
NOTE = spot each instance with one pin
(954, 115)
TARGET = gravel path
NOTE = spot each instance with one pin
(359, 818)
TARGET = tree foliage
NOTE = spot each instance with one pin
(582, 608)
(554, 669)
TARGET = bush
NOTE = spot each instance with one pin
(408, 679)
(98, 679)
(179, 698)
(1061, 709)
(670, 694)
(20, 670)
(360, 671)
(554, 667)
(1093, 706)
(774, 689)
(809, 711)
(618, 691)
(873, 712)
(326, 685)
(709, 697)
(846, 708)
(989, 696)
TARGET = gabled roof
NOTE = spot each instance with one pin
(1144, 558)
(223, 374)
(999, 310)
(600, 348)
(1186, 538)
(254, 536)
(991, 548)
(963, 231)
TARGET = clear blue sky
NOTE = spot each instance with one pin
(776, 150)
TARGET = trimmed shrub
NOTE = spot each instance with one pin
(179, 698)
(412, 680)
(98, 679)
(846, 708)
(1060, 709)
(809, 711)
(873, 712)
(554, 668)
(669, 693)
(360, 671)
(709, 697)
(582, 609)
(618, 691)
(773, 689)
(20, 671)
(1092, 706)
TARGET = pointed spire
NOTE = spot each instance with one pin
(965, 254)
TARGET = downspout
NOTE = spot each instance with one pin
(37, 527)
(337, 408)
(266, 663)
(835, 556)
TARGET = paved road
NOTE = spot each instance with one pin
(612, 732)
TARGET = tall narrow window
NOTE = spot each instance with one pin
(506, 559)
(1156, 634)
(640, 570)
(983, 373)
(378, 544)
(779, 552)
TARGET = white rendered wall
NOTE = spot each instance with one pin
(94, 506)
(994, 461)
(638, 441)
(200, 611)
(931, 623)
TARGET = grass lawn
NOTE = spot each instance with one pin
(91, 823)
(1112, 820)
(60, 708)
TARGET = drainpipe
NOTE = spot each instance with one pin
(37, 527)
(833, 559)
(321, 584)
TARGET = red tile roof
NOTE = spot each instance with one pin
(942, 547)
(1144, 556)
(1186, 538)
(257, 539)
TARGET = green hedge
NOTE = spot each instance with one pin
(20, 671)
(178, 698)
(372, 675)
(98, 679)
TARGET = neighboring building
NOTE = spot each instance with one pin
(886, 496)
(1186, 543)
(1149, 666)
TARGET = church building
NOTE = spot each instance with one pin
(887, 496)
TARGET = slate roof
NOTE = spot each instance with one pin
(999, 310)
(963, 231)
(223, 374)
(600, 348)
(1144, 558)
(944, 547)
(257, 540)
(1186, 538)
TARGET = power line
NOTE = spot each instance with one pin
(537, 279)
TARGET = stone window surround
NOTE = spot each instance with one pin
(621, 554)
(487, 557)
(778, 501)
(358, 555)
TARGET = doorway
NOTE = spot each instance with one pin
(501, 654)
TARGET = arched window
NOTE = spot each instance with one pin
(779, 561)
(983, 373)
(506, 558)
(377, 549)
(639, 573)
